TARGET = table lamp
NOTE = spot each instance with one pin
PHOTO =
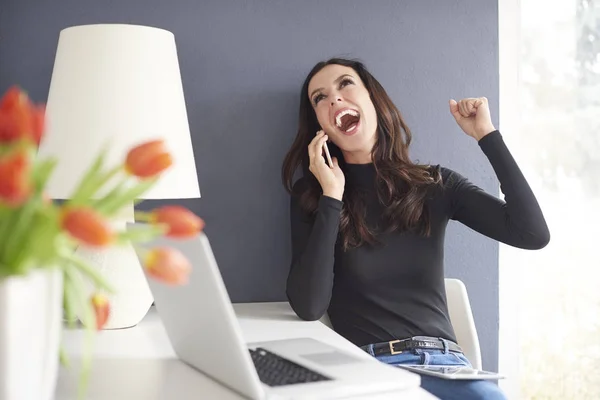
(118, 85)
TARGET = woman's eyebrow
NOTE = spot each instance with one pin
(336, 81)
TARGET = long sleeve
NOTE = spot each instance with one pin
(518, 220)
(310, 279)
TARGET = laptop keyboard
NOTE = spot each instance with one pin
(274, 370)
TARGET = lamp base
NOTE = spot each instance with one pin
(121, 268)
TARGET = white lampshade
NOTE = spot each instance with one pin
(118, 85)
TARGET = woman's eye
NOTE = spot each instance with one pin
(346, 82)
(318, 98)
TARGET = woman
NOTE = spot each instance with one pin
(368, 231)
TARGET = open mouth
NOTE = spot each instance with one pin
(347, 120)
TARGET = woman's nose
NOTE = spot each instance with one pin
(336, 98)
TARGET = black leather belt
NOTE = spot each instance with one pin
(422, 342)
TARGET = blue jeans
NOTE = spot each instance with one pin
(445, 389)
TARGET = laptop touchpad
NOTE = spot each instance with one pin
(331, 358)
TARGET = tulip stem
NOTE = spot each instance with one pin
(70, 299)
(20, 228)
(88, 190)
(140, 234)
(87, 183)
(121, 196)
(63, 357)
(87, 270)
(8, 222)
(89, 323)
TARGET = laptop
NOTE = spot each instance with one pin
(204, 331)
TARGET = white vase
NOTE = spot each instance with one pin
(30, 329)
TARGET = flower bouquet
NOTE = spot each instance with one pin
(41, 277)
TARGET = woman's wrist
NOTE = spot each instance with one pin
(335, 194)
(483, 132)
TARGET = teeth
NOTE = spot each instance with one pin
(338, 118)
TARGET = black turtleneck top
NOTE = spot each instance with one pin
(395, 289)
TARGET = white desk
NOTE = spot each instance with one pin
(139, 363)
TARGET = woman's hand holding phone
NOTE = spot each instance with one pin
(331, 178)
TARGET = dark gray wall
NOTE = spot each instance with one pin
(242, 65)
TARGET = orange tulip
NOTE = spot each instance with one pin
(181, 222)
(19, 118)
(38, 123)
(12, 98)
(148, 160)
(15, 181)
(101, 309)
(87, 226)
(168, 266)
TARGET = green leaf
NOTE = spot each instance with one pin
(117, 191)
(4, 211)
(7, 270)
(42, 172)
(19, 230)
(103, 180)
(88, 183)
(98, 182)
(39, 244)
(6, 226)
(112, 204)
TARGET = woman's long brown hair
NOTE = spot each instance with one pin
(402, 186)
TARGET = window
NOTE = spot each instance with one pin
(557, 145)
